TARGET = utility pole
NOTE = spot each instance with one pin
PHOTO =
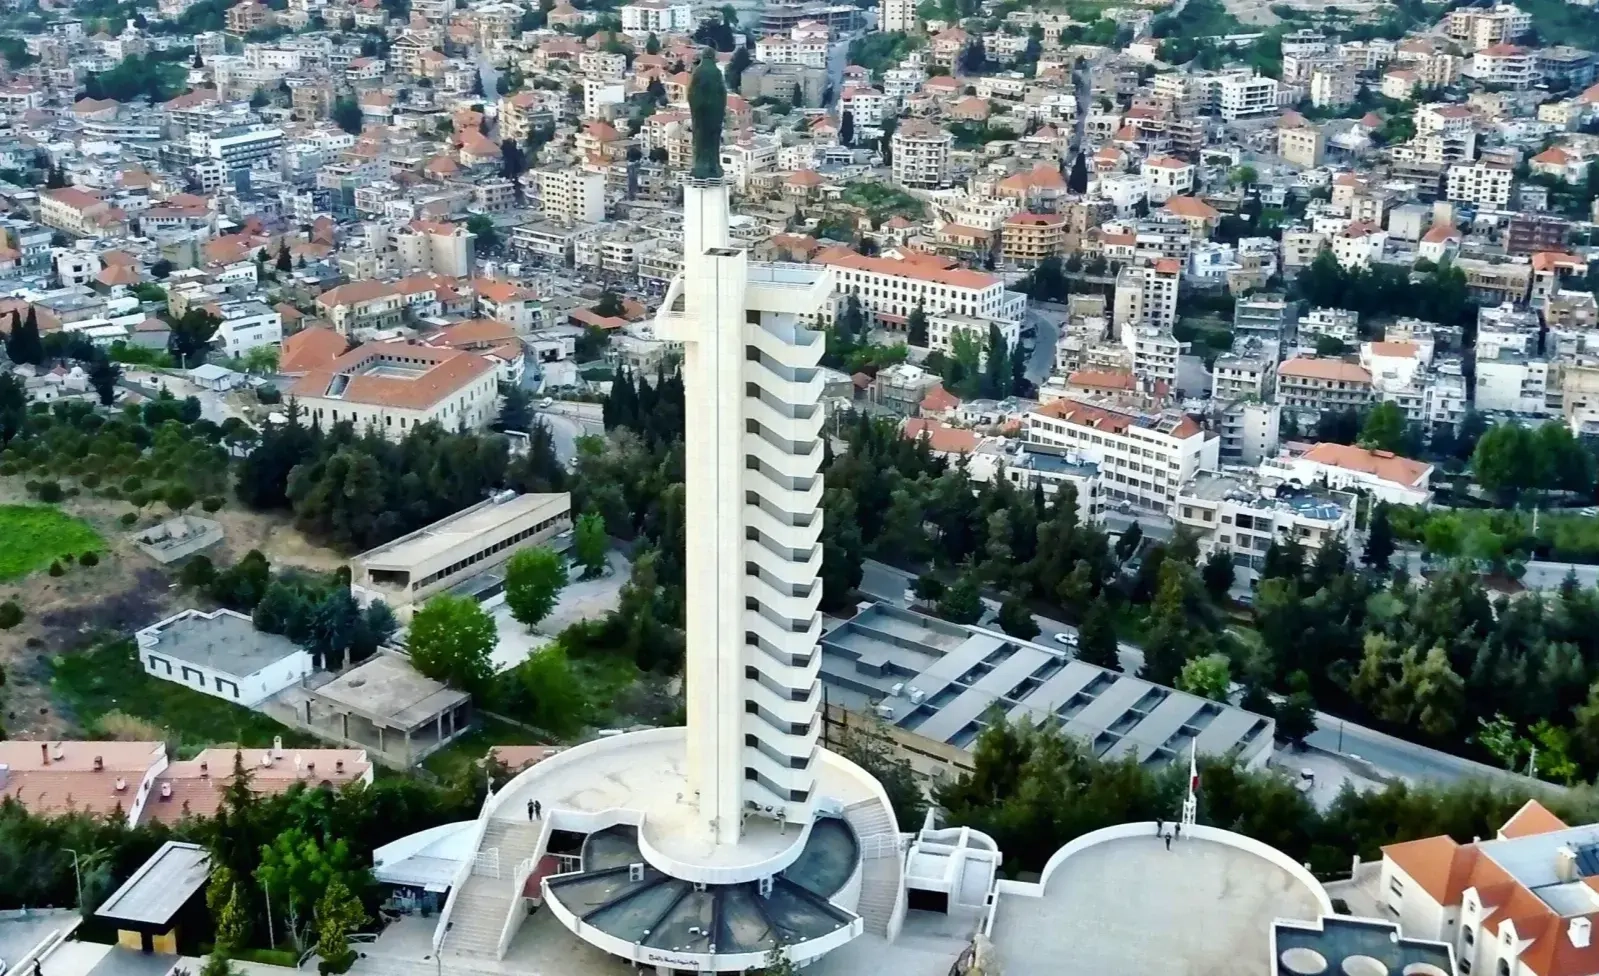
(77, 877)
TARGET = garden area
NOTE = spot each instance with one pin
(34, 537)
(881, 201)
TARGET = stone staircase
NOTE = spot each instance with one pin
(487, 897)
(881, 867)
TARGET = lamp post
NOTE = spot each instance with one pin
(77, 878)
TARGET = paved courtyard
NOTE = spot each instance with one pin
(1132, 908)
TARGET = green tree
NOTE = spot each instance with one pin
(23, 343)
(916, 327)
(962, 603)
(178, 497)
(590, 543)
(346, 114)
(1208, 677)
(1016, 619)
(1096, 638)
(338, 914)
(547, 693)
(1504, 461)
(534, 578)
(450, 640)
(1296, 718)
(873, 751)
(1218, 574)
(1380, 542)
(1384, 429)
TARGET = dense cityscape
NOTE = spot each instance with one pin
(958, 488)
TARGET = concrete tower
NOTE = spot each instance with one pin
(753, 456)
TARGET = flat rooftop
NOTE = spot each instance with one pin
(1133, 908)
(1338, 939)
(460, 529)
(222, 641)
(160, 887)
(387, 689)
(951, 678)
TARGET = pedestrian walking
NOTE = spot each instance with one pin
(1160, 827)
(538, 810)
(1178, 830)
(1168, 842)
(532, 810)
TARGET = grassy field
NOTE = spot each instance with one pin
(454, 762)
(31, 536)
(109, 695)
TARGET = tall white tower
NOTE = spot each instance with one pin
(753, 454)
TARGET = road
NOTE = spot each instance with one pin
(1046, 330)
(565, 430)
(1540, 575)
(1387, 756)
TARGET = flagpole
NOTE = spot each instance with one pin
(1191, 801)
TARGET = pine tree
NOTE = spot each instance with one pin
(24, 344)
(285, 260)
(915, 326)
(1078, 181)
(1096, 638)
(1380, 544)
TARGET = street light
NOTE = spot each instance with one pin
(76, 877)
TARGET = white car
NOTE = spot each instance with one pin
(910, 596)
(1069, 638)
(546, 403)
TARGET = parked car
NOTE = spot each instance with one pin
(1067, 637)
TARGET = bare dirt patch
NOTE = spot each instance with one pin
(125, 592)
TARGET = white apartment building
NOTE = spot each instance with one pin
(654, 17)
(1515, 382)
(1336, 323)
(802, 47)
(890, 289)
(1479, 183)
(1239, 93)
(393, 387)
(440, 248)
(1250, 431)
(247, 325)
(896, 15)
(1478, 28)
(240, 148)
(1143, 459)
(572, 196)
(1147, 295)
(1505, 64)
(1243, 377)
(942, 329)
(1155, 351)
(1243, 516)
(921, 154)
(1168, 177)
(867, 106)
(901, 83)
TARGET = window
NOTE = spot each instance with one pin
(1396, 886)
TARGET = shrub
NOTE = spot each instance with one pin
(91, 479)
(75, 468)
(198, 572)
(128, 518)
(8, 468)
(31, 486)
(132, 483)
(268, 394)
(212, 503)
(139, 499)
(56, 569)
(74, 491)
(49, 491)
(90, 558)
(111, 491)
(10, 614)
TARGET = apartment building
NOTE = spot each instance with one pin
(889, 288)
(1239, 93)
(247, 325)
(393, 387)
(1154, 351)
(1243, 515)
(1309, 385)
(1168, 177)
(1480, 183)
(1026, 239)
(1266, 316)
(921, 154)
(1147, 295)
(436, 247)
(1477, 28)
(655, 17)
(81, 212)
(1250, 431)
(1143, 458)
(896, 15)
(361, 305)
(1302, 144)
(942, 330)
(572, 196)
(1243, 376)
(1505, 64)
(1515, 382)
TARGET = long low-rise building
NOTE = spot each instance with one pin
(890, 289)
(1142, 458)
(1384, 474)
(473, 541)
(935, 684)
(1243, 516)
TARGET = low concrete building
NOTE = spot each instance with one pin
(222, 654)
(473, 541)
(384, 699)
(178, 538)
(1243, 515)
(933, 681)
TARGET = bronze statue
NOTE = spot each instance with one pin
(707, 103)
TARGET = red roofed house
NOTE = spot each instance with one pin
(81, 212)
(394, 386)
(942, 439)
(1311, 384)
(1562, 163)
(1383, 474)
(1168, 177)
(1200, 216)
(939, 403)
(309, 349)
(1523, 902)
(890, 288)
